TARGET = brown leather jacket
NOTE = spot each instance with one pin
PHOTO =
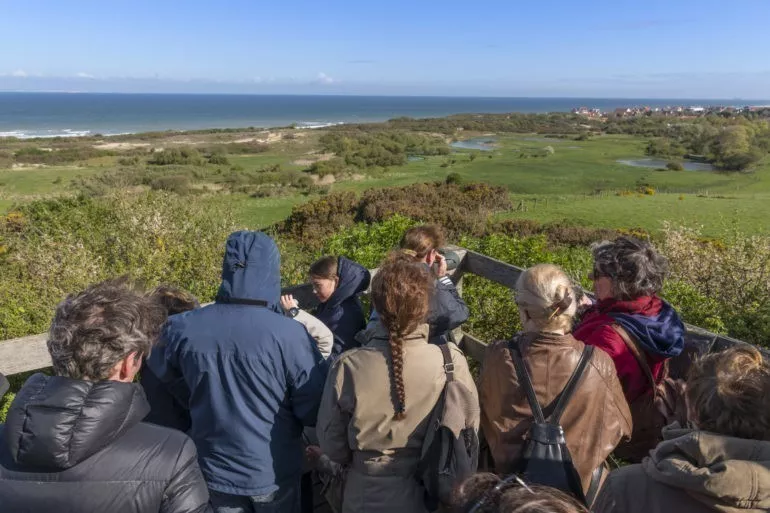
(596, 419)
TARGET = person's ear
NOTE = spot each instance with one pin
(129, 367)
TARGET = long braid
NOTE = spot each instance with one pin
(397, 376)
(401, 294)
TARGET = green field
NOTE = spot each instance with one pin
(580, 182)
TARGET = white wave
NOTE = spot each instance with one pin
(46, 134)
(317, 124)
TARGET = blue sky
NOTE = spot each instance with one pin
(620, 48)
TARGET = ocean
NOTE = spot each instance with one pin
(26, 115)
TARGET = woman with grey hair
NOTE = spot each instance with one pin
(627, 276)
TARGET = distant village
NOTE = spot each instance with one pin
(673, 111)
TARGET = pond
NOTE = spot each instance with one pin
(477, 143)
(661, 164)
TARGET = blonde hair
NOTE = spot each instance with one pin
(729, 393)
(545, 292)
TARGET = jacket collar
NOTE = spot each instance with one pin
(544, 338)
(726, 472)
(645, 305)
(56, 422)
(377, 335)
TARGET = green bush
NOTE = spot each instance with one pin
(180, 156)
(56, 247)
(675, 165)
(455, 178)
(179, 184)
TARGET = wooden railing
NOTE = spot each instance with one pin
(30, 353)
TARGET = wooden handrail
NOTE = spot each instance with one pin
(30, 353)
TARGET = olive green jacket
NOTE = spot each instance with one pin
(693, 472)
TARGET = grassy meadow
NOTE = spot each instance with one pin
(549, 179)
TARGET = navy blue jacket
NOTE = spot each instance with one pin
(343, 312)
(447, 311)
(252, 378)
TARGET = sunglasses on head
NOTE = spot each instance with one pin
(509, 481)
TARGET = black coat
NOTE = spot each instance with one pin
(76, 446)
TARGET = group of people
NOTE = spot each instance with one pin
(159, 404)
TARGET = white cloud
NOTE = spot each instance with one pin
(84, 75)
(19, 73)
(324, 79)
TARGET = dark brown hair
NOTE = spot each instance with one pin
(401, 292)
(729, 393)
(511, 499)
(422, 240)
(634, 266)
(325, 267)
(174, 300)
(96, 328)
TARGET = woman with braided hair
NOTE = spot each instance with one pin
(595, 419)
(377, 399)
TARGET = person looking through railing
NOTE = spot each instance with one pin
(447, 309)
(640, 331)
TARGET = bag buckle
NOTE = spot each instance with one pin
(449, 368)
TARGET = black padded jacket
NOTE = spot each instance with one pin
(76, 446)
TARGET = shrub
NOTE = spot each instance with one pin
(219, 159)
(179, 184)
(63, 245)
(180, 156)
(455, 178)
(460, 209)
(54, 157)
(675, 165)
(733, 271)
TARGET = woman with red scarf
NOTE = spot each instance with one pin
(628, 274)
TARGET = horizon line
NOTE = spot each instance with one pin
(523, 97)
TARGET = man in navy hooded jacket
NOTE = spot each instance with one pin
(252, 379)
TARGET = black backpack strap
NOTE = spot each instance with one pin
(525, 381)
(449, 366)
(572, 384)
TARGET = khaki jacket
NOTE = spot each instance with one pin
(596, 419)
(356, 426)
(692, 472)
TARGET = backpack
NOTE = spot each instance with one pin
(545, 458)
(450, 450)
(653, 410)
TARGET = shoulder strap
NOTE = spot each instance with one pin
(640, 358)
(572, 384)
(449, 366)
(525, 381)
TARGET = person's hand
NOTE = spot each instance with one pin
(313, 454)
(440, 265)
(585, 301)
(288, 302)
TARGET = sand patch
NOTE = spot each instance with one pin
(313, 158)
(120, 146)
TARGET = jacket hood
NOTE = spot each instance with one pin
(57, 422)
(728, 474)
(251, 269)
(353, 279)
(661, 334)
